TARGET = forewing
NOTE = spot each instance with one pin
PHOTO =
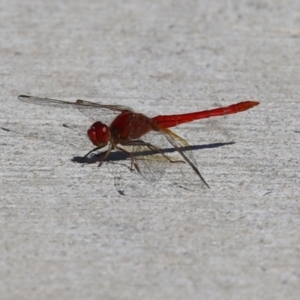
(90, 109)
(97, 110)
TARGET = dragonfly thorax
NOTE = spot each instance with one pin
(99, 134)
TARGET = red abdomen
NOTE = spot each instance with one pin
(174, 120)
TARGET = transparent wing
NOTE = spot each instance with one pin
(90, 109)
(151, 158)
(151, 155)
(158, 146)
(184, 149)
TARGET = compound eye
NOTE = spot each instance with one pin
(98, 134)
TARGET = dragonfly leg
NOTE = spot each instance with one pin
(93, 150)
(133, 163)
(99, 157)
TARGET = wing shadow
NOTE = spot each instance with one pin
(120, 156)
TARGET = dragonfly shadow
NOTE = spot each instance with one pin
(113, 156)
(120, 156)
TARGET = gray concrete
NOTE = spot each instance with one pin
(65, 232)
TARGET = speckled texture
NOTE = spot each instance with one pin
(65, 232)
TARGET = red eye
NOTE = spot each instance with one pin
(98, 134)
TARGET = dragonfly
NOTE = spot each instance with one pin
(140, 138)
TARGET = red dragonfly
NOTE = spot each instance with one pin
(139, 136)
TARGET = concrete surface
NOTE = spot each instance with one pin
(66, 233)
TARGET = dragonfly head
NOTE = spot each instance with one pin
(99, 134)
